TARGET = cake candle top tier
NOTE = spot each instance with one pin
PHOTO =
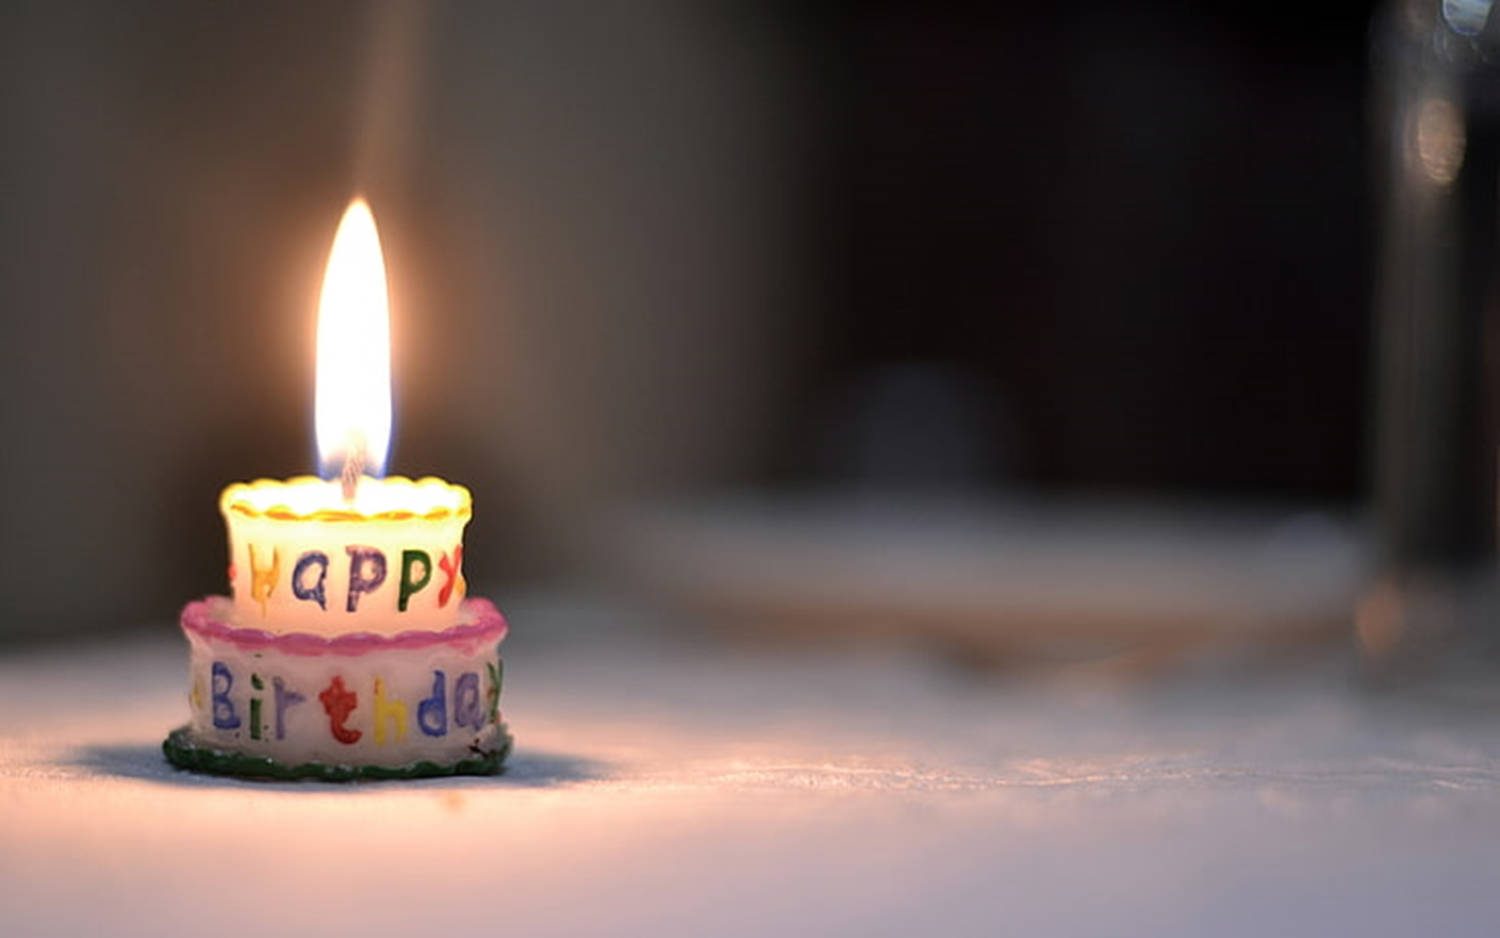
(303, 559)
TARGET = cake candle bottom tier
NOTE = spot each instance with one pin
(356, 705)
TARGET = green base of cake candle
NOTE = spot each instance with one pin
(183, 751)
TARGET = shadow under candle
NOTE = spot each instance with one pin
(524, 769)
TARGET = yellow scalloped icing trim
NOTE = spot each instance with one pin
(239, 499)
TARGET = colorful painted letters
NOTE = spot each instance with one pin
(366, 572)
(219, 685)
(451, 570)
(300, 589)
(338, 703)
(432, 713)
(413, 559)
(473, 706)
(492, 693)
(255, 705)
(388, 712)
(284, 699)
(263, 579)
(368, 568)
(466, 710)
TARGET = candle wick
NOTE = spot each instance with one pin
(354, 467)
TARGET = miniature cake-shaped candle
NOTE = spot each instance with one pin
(348, 648)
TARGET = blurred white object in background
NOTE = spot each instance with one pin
(1000, 576)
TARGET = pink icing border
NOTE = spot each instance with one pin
(482, 621)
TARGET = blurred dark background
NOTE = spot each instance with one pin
(643, 251)
(1138, 231)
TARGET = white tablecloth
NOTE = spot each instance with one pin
(664, 787)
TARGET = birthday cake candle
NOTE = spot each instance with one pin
(348, 648)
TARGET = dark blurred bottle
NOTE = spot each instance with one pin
(1436, 77)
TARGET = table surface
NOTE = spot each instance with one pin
(668, 787)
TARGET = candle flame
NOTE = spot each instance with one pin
(353, 404)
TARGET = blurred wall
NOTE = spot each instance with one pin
(1125, 245)
(647, 249)
(586, 211)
